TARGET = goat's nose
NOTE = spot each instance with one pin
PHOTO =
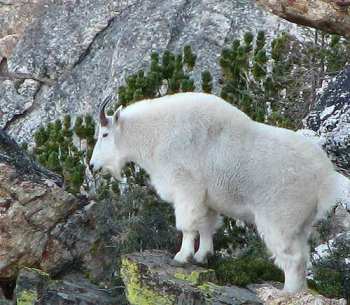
(91, 167)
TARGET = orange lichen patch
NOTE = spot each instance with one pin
(299, 6)
(3, 193)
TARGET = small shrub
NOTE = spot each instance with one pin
(328, 282)
(332, 271)
(246, 270)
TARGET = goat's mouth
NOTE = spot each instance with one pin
(101, 172)
(96, 171)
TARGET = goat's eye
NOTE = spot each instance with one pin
(105, 135)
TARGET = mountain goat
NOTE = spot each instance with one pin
(208, 158)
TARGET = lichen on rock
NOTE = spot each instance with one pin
(197, 277)
(29, 283)
(27, 297)
(138, 293)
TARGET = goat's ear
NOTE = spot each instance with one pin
(116, 114)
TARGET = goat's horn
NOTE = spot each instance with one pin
(103, 118)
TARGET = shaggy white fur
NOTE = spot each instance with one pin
(208, 158)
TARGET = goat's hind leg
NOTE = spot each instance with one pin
(293, 261)
(291, 253)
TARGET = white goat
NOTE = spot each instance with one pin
(208, 158)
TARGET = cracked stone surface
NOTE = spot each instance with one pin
(45, 227)
(81, 51)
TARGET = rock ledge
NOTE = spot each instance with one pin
(150, 277)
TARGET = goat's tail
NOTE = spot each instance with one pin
(335, 190)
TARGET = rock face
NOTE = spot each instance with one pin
(45, 227)
(77, 52)
(150, 278)
(331, 120)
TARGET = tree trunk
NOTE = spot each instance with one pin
(332, 16)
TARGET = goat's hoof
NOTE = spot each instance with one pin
(201, 260)
(175, 263)
(182, 258)
(203, 263)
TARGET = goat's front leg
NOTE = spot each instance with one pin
(206, 247)
(187, 247)
(207, 228)
(187, 213)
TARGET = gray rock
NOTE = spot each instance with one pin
(60, 37)
(272, 296)
(151, 278)
(81, 51)
(331, 120)
(16, 102)
(342, 219)
(35, 287)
